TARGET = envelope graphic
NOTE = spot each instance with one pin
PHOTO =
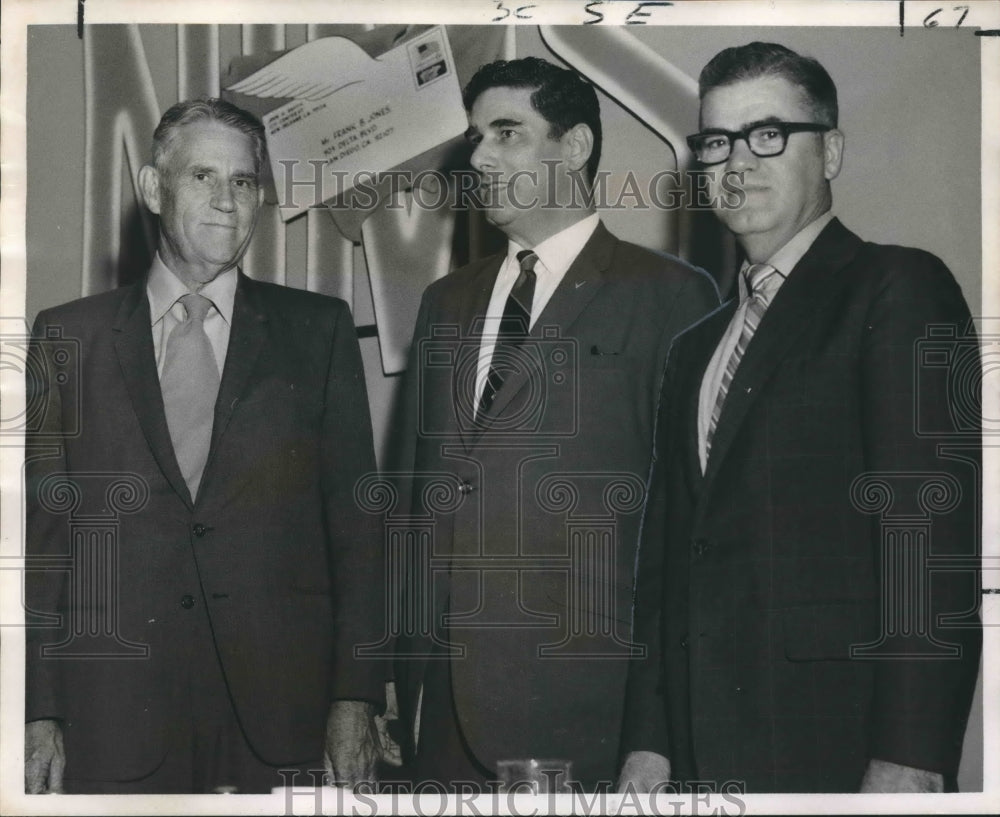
(353, 116)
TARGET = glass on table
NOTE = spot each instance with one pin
(534, 776)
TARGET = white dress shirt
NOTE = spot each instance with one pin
(784, 261)
(556, 255)
(164, 290)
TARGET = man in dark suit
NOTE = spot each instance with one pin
(218, 425)
(530, 402)
(810, 465)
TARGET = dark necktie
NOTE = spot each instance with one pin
(190, 386)
(755, 276)
(514, 326)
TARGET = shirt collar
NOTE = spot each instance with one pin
(789, 255)
(559, 251)
(785, 259)
(163, 288)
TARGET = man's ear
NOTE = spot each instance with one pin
(833, 153)
(149, 186)
(578, 144)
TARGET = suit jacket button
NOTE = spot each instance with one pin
(699, 546)
(466, 488)
(684, 642)
(200, 530)
(187, 602)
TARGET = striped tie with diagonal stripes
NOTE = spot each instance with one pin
(514, 327)
(755, 276)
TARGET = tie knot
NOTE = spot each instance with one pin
(196, 305)
(527, 259)
(756, 275)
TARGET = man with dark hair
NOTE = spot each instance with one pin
(529, 404)
(755, 60)
(562, 98)
(201, 638)
(799, 642)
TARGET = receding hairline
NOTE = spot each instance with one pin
(207, 109)
(165, 148)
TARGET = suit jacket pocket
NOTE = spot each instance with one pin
(826, 631)
(605, 361)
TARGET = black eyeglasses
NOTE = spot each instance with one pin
(713, 146)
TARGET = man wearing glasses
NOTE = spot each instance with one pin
(796, 644)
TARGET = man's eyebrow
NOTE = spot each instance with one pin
(209, 169)
(767, 120)
(472, 132)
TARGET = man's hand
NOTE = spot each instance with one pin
(352, 747)
(642, 771)
(883, 777)
(44, 757)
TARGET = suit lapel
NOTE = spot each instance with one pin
(812, 283)
(133, 343)
(578, 287)
(698, 345)
(246, 337)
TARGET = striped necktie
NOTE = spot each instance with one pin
(755, 276)
(190, 386)
(514, 327)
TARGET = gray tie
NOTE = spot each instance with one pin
(755, 276)
(190, 386)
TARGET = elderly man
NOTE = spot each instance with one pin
(223, 423)
(530, 398)
(798, 641)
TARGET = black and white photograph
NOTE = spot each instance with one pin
(499, 407)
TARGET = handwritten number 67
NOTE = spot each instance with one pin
(930, 22)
